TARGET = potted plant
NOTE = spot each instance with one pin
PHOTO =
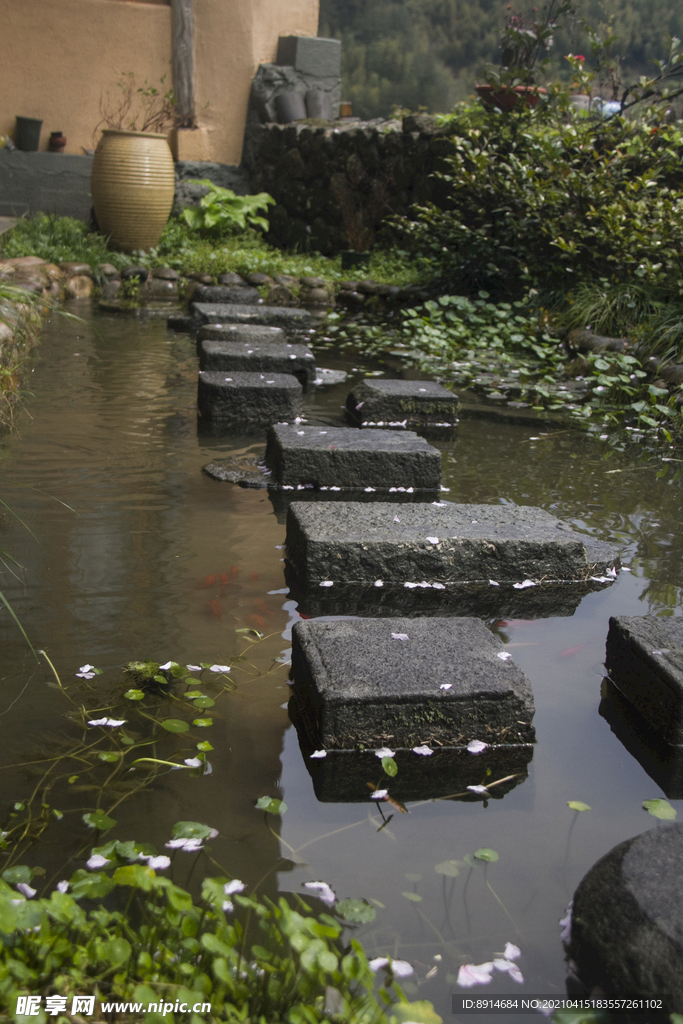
(523, 42)
(133, 177)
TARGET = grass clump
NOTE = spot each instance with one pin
(58, 240)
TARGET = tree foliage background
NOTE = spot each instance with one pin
(429, 53)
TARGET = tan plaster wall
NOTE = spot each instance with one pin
(59, 58)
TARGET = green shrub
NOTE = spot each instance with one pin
(221, 212)
(59, 240)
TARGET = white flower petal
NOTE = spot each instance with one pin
(165, 668)
(96, 861)
(424, 750)
(63, 886)
(157, 863)
(474, 974)
(566, 925)
(325, 893)
(480, 790)
(438, 586)
(399, 636)
(378, 962)
(235, 886)
(476, 746)
(193, 668)
(504, 655)
(193, 762)
(26, 890)
(432, 540)
(446, 686)
(379, 794)
(219, 668)
(228, 906)
(512, 952)
(509, 968)
(493, 583)
(86, 668)
(327, 583)
(385, 752)
(318, 753)
(524, 585)
(189, 845)
(401, 968)
(379, 583)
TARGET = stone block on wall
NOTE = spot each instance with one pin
(319, 57)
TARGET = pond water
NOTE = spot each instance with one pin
(138, 554)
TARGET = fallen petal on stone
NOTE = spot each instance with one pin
(476, 747)
(424, 750)
(317, 753)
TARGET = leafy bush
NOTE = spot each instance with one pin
(220, 211)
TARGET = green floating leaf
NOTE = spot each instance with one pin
(577, 805)
(108, 755)
(19, 873)
(660, 809)
(191, 694)
(356, 910)
(450, 868)
(203, 723)
(137, 875)
(412, 896)
(98, 819)
(487, 855)
(389, 766)
(271, 805)
(191, 830)
(174, 725)
(134, 694)
(204, 702)
(204, 745)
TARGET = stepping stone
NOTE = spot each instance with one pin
(270, 316)
(248, 398)
(272, 357)
(233, 294)
(255, 334)
(644, 659)
(438, 543)
(407, 682)
(420, 405)
(627, 921)
(348, 458)
(343, 775)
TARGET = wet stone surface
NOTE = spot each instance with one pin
(438, 542)
(270, 316)
(255, 334)
(627, 919)
(408, 682)
(644, 659)
(247, 356)
(420, 405)
(346, 457)
(246, 471)
(224, 293)
(248, 398)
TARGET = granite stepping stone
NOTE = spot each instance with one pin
(250, 357)
(420, 405)
(408, 682)
(256, 399)
(269, 316)
(644, 659)
(255, 334)
(325, 458)
(438, 543)
(241, 295)
(627, 921)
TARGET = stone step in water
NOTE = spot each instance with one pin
(407, 683)
(269, 316)
(250, 357)
(420, 405)
(347, 458)
(439, 543)
(241, 295)
(644, 659)
(378, 599)
(254, 334)
(253, 399)
(342, 776)
(627, 921)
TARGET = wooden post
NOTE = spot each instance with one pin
(183, 62)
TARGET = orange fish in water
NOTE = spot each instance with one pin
(302, 616)
(215, 608)
(571, 650)
(261, 606)
(257, 621)
(253, 577)
(209, 581)
(224, 579)
(233, 571)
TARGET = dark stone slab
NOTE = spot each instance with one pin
(255, 334)
(312, 56)
(245, 471)
(439, 542)
(282, 496)
(627, 919)
(248, 398)
(481, 600)
(644, 659)
(350, 458)
(420, 405)
(272, 357)
(270, 316)
(357, 684)
(343, 775)
(222, 293)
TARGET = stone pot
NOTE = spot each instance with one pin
(133, 184)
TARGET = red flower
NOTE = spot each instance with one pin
(579, 56)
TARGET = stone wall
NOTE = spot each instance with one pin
(334, 183)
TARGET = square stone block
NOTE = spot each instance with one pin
(255, 334)
(240, 295)
(234, 313)
(248, 398)
(407, 682)
(312, 56)
(438, 543)
(345, 457)
(644, 659)
(272, 357)
(420, 405)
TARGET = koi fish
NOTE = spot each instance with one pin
(209, 581)
(571, 650)
(224, 579)
(233, 571)
(257, 621)
(215, 608)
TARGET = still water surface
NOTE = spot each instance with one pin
(131, 539)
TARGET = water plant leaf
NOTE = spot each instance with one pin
(137, 875)
(134, 694)
(174, 725)
(204, 745)
(660, 809)
(389, 765)
(98, 819)
(19, 873)
(420, 1012)
(108, 755)
(271, 805)
(486, 855)
(414, 897)
(450, 868)
(357, 911)
(91, 884)
(577, 805)
(203, 723)
(191, 694)
(204, 702)
(192, 830)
